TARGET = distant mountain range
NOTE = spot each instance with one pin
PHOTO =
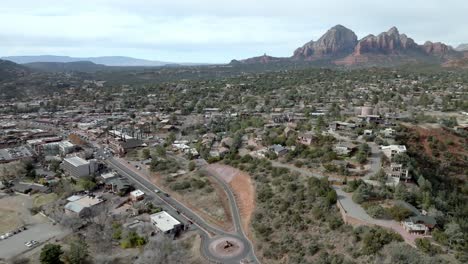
(340, 46)
(462, 47)
(107, 60)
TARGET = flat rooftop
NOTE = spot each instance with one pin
(76, 161)
(164, 221)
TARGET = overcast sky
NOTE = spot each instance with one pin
(212, 30)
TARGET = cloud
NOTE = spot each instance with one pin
(212, 30)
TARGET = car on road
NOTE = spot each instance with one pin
(31, 243)
(156, 191)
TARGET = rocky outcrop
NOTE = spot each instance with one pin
(390, 42)
(339, 45)
(440, 50)
(337, 41)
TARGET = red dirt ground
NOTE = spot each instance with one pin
(441, 135)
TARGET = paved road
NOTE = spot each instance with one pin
(41, 232)
(208, 232)
(375, 160)
(237, 220)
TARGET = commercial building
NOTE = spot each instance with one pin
(81, 205)
(165, 222)
(77, 167)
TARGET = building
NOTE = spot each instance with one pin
(305, 138)
(398, 172)
(121, 142)
(137, 195)
(13, 154)
(82, 205)
(344, 148)
(54, 148)
(165, 222)
(392, 150)
(337, 125)
(420, 224)
(278, 150)
(77, 167)
(118, 185)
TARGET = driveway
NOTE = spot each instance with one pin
(40, 232)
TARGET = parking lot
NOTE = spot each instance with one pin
(40, 232)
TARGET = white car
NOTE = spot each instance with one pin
(31, 243)
(156, 191)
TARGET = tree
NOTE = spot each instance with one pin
(78, 251)
(50, 254)
(454, 234)
(86, 183)
(425, 246)
(145, 154)
(376, 238)
(191, 166)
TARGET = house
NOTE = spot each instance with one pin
(388, 132)
(278, 150)
(82, 205)
(344, 148)
(398, 172)
(77, 167)
(118, 185)
(137, 195)
(420, 224)
(305, 138)
(417, 223)
(165, 222)
(392, 150)
(337, 125)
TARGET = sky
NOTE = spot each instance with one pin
(212, 31)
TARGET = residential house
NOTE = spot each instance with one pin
(305, 138)
(278, 150)
(344, 148)
(398, 172)
(392, 150)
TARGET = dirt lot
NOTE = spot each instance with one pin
(243, 189)
(211, 205)
(14, 212)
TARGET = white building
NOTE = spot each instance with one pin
(165, 222)
(78, 167)
(137, 195)
(392, 150)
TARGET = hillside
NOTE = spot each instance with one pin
(105, 60)
(79, 66)
(10, 70)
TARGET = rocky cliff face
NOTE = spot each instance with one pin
(339, 45)
(440, 50)
(390, 42)
(336, 42)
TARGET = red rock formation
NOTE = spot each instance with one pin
(336, 42)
